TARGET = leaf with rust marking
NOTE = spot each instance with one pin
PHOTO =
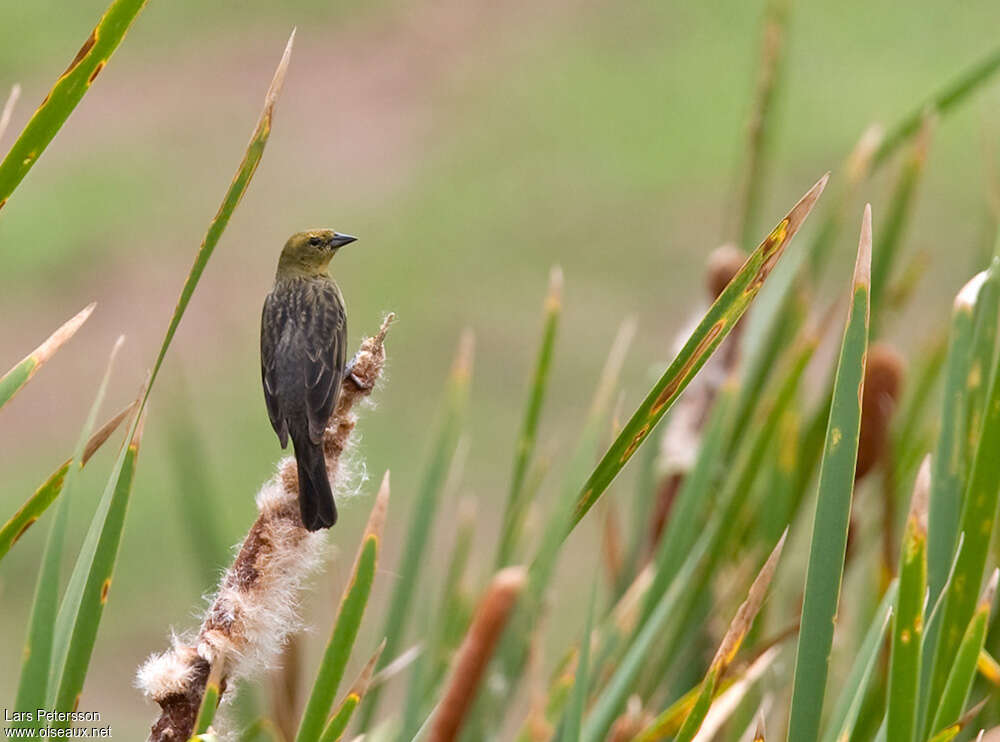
(712, 330)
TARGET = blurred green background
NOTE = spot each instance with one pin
(470, 146)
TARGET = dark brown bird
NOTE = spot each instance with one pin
(303, 332)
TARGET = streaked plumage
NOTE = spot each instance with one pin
(302, 352)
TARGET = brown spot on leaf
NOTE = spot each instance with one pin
(84, 51)
(671, 388)
(105, 588)
(635, 443)
(96, 72)
(24, 528)
(2, 203)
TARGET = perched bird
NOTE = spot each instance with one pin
(303, 331)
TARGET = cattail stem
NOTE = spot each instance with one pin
(254, 611)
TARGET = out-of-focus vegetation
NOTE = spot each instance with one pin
(471, 149)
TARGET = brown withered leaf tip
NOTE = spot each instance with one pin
(748, 610)
(860, 160)
(921, 495)
(99, 438)
(885, 372)
(475, 652)
(364, 680)
(863, 266)
(554, 299)
(58, 338)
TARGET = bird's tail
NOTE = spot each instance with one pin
(315, 496)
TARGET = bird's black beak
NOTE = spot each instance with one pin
(339, 240)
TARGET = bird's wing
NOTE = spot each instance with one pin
(272, 321)
(325, 334)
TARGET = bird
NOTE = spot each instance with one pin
(303, 332)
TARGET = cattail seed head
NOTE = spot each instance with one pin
(884, 375)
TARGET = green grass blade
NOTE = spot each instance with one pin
(962, 670)
(984, 346)
(15, 379)
(908, 619)
(45, 495)
(345, 629)
(80, 612)
(516, 502)
(338, 722)
(760, 130)
(712, 330)
(209, 701)
(730, 645)
(852, 695)
(33, 685)
(337, 725)
(237, 189)
(424, 511)
(943, 102)
(67, 92)
(948, 480)
(979, 508)
(897, 216)
(573, 718)
(836, 485)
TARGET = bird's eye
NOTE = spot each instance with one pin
(315, 241)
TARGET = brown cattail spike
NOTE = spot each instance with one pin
(723, 263)
(475, 653)
(884, 376)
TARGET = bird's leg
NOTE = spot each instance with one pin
(361, 383)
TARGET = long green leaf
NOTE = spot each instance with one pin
(33, 685)
(337, 724)
(424, 510)
(72, 658)
(712, 330)
(237, 189)
(573, 718)
(852, 695)
(979, 510)
(67, 92)
(345, 630)
(891, 234)
(760, 129)
(984, 346)
(948, 480)
(908, 620)
(12, 381)
(49, 490)
(962, 670)
(943, 102)
(836, 485)
(514, 513)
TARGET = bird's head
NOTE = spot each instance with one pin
(311, 251)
